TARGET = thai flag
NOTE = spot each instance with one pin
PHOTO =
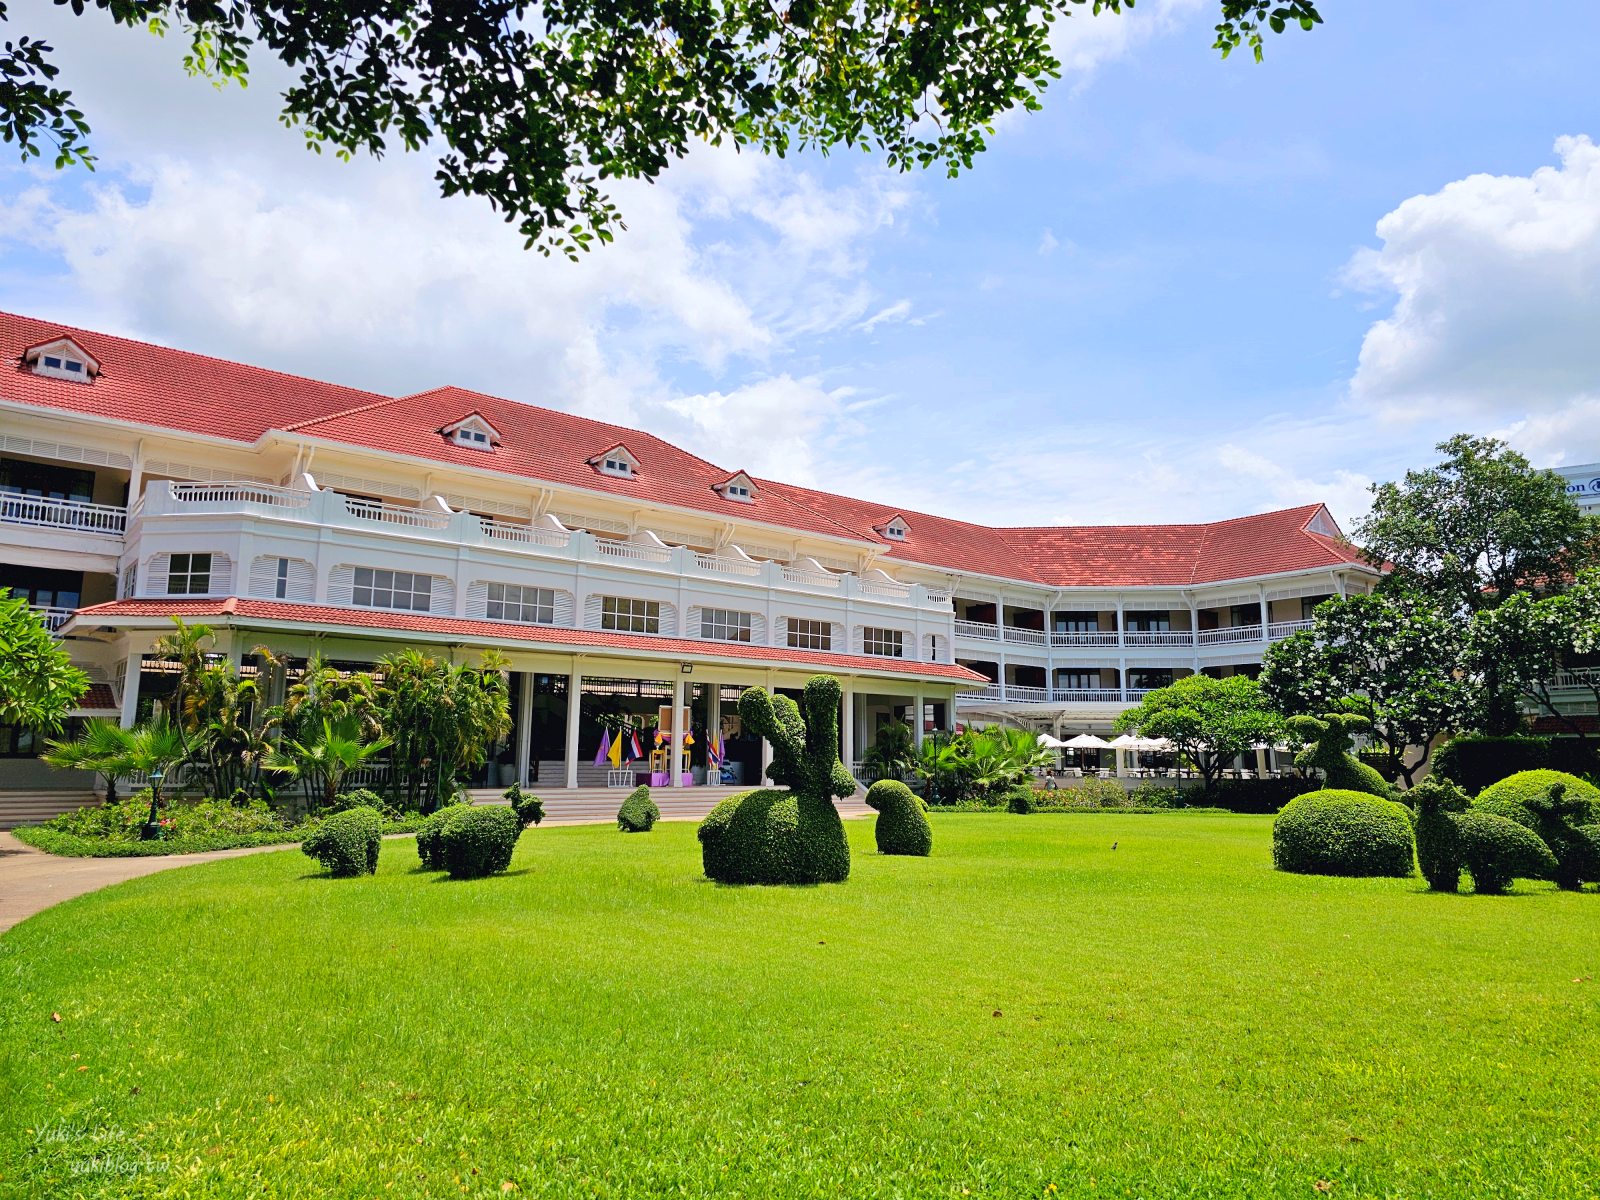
(636, 751)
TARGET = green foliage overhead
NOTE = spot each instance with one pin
(110, 750)
(347, 843)
(902, 826)
(324, 759)
(638, 813)
(538, 106)
(39, 685)
(1209, 721)
(1335, 832)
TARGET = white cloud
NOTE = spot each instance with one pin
(1497, 280)
(898, 311)
(777, 427)
(1084, 42)
(1048, 244)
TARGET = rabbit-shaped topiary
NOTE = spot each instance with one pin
(1328, 742)
(793, 835)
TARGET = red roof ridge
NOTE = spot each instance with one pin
(295, 426)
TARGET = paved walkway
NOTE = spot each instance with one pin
(31, 880)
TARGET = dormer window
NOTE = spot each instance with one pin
(739, 488)
(473, 432)
(895, 528)
(62, 358)
(618, 461)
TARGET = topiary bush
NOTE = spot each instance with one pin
(429, 849)
(362, 798)
(638, 813)
(347, 842)
(1329, 739)
(528, 807)
(793, 836)
(1554, 806)
(1497, 850)
(478, 841)
(902, 825)
(1437, 801)
(1341, 832)
(1020, 799)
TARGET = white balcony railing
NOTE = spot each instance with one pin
(1159, 637)
(813, 578)
(77, 515)
(1230, 635)
(395, 514)
(1013, 693)
(1086, 695)
(722, 564)
(54, 618)
(877, 587)
(631, 551)
(1085, 637)
(1023, 637)
(229, 494)
(1279, 630)
(523, 535)
(982, 630)
(1027, 695)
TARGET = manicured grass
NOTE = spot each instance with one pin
(1028, 1013)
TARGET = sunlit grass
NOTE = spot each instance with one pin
(1029, 1009)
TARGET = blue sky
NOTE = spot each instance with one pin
(1186, 290)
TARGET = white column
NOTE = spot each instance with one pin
(1261, 589)
(130, 689)
(524, 728)
(1122, 628)
(675, 763)
(918, 707)
(847, 725)
(574, 708)
(1261, 763)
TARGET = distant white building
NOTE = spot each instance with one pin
(1583, 485)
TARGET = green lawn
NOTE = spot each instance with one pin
(1029, 1013)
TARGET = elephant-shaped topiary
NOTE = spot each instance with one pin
(1557, 807)
(1328, 742)
(794, 835)
(902, 826)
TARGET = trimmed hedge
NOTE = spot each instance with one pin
(1497, 850)
(1021, 799)
(1439, 854)
(478, 841)
(772, 836)
(902, 825)
(638, 813)
(429, 848)
(1338, 832)
(1553, 805)
(347, 842)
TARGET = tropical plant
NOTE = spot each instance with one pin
(1209, 721)
(324, 760)
(323, 692)
(442, 720)
(893, 752)
(978, 763)
(38, 683)
(154, 749)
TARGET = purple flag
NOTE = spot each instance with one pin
(605, 749)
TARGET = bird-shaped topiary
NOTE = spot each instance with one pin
(793, 835)
(638, 813)
(902, 826)
(1328, 741)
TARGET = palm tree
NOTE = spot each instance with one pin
(155, 750)
(189, 646)
(324, 760)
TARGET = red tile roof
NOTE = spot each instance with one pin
(173, 389)
(242, 611)
(98, 699)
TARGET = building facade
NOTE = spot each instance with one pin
(624, 578)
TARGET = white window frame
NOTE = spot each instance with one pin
(883, 643)
(807, 634)
(472, 439)
(524, 604)
(280, 585)
(620, 467)
(726, 625)
(187, 575)
(624, 614)
(379, 587)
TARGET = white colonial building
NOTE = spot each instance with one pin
(624, 577)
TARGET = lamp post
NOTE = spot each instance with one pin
(151, 829)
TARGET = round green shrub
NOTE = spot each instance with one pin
(1553, 805)
(902, 826)
(1497, 850)
(638, 813)
(360, 798)
(772, 836)
(1335, 832)
(478, 841)
(429, 848)
(347, 842)
(1436, 802)
(1020, 799)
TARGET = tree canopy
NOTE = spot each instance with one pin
(39, 686)
(538, 103)
(1209, 721)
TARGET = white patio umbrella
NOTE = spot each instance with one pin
(1087, 741)
(1127, 742)
(1050, 743)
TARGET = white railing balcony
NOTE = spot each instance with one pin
(940, 598)
(1583, 678)
(396, 514)
(722, 564)
(874, 587)
(1230, 635)
(811, 578)
(982, 630)
(523, 535)
(1086, 695)
(229, 495)
(1021, 636)
(77, 515)
(1084, 637)
(1159, 637)
(1027, 695)
(631, 551)
(993, 692)
(54, 618)
(1279, 630)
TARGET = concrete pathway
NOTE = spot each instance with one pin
(31, 880)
